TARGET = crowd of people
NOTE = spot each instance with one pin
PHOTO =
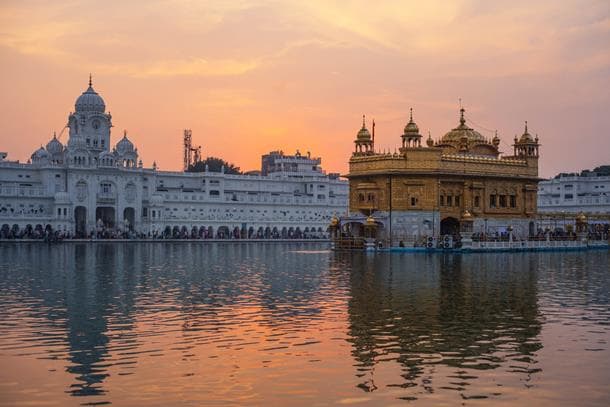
(47, 233)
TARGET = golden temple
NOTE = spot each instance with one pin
(460, 182)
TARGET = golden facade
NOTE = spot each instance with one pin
(458, 182)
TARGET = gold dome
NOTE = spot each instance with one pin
(363, 133)
(462, 131)
(411, 128)
(581, 218)
(334, 221)
(467, 216)
(370, 221)
(429, 141)
(526, 137)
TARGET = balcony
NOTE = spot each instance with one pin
(106, 197)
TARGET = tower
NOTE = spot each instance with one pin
(89, 124)
(192, 155)
(187, 148)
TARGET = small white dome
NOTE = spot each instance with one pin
(124, 145)
(54, 146)
(40, 154)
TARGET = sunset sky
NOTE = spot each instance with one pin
(250, 77)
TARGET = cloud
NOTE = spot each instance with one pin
(181, 67)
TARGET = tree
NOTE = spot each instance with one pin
(214, 164)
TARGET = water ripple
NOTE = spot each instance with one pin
(220, 324)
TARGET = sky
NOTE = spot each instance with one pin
(248, 77)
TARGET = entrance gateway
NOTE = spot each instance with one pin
(107, 216)
(450, 226)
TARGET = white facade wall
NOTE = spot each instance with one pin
(574, 194)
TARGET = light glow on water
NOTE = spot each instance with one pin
(296, 324)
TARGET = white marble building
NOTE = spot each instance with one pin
(587, 192)
(88, 185)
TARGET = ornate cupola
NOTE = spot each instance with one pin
(364, 142)
(90, 122)
(465, 140)
(410, 136)
(526, 146)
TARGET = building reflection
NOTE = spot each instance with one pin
(465, 312)
(90, 295)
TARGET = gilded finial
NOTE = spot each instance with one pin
(363, 120)
(462, 120)
(125, 133)
(90, 80)
(411, 114)
(526, 126)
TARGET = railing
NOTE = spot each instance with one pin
(533, 244)
(23, 191)
(106, 197)
(15, 215)
(349, 243)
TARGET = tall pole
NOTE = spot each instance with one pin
(390, 178)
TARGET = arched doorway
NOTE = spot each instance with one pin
(106, 215)
(80, 220)
(223, 232)
(450, 226)
(129, 218)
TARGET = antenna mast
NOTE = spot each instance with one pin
(187, 148)
(192, 155)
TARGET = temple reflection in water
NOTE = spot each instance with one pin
(383, 325)
(462, 311)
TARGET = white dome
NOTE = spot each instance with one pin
(54, 146)
(124, 145)
(40, 154)
(90, 101)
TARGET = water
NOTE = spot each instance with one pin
(295, 324)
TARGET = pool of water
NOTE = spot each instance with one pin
(295, 324)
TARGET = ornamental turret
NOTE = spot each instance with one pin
(526, 145)
(410, 136)
(364, 143)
